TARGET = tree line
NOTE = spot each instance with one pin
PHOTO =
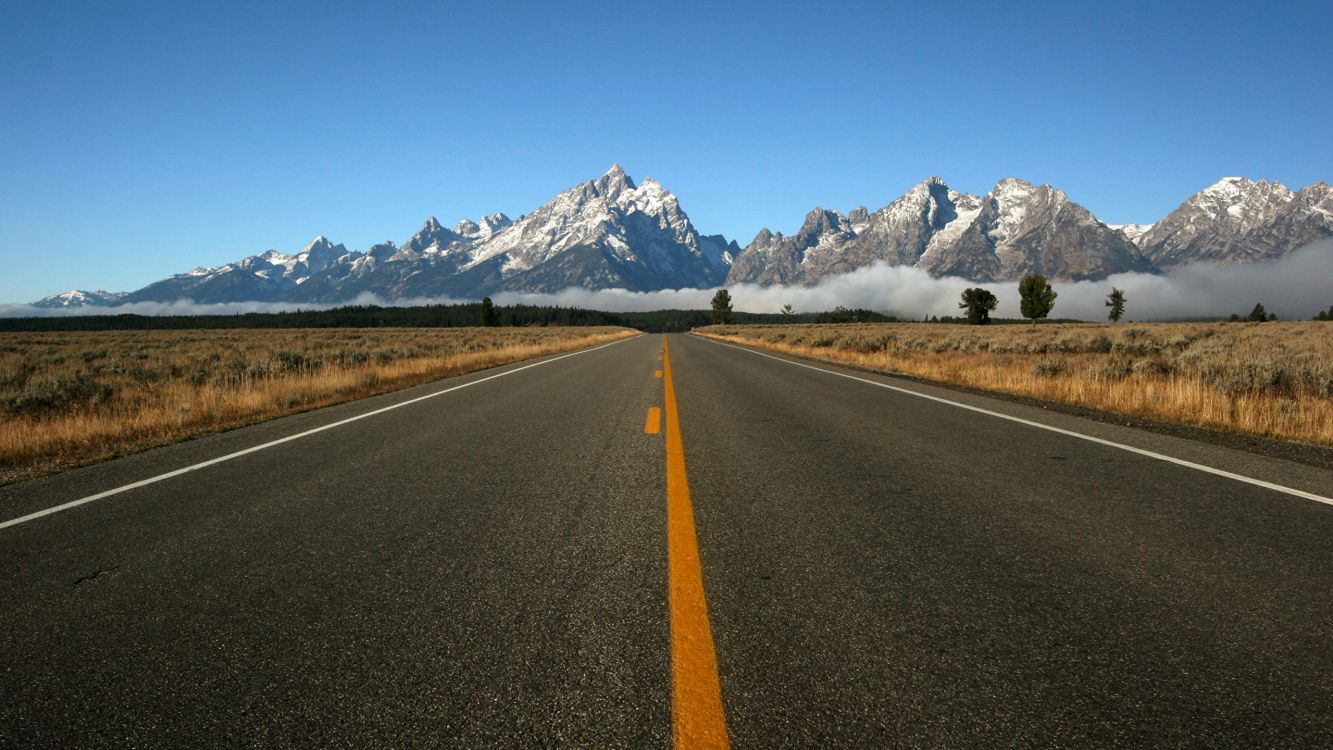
(352, 316)
(1037, 301)
(484, 313)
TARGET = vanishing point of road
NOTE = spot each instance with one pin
(669, 539)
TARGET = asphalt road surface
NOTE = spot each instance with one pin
(522, 561)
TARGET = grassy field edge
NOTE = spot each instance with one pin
(95, 430)
(1106, 384)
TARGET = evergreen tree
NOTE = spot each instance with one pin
(788, 310)
(1258, 314)
(978, 303)
(487, 312)
(721, 307)
(1036, 297)
(1116, 301)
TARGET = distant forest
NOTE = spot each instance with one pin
(456, 316)
(429, 316)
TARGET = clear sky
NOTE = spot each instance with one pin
(140, 140)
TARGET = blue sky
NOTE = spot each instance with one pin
(145, 139)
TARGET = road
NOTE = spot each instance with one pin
(792, 555)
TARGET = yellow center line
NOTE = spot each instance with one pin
(698, 720)
(654, 423)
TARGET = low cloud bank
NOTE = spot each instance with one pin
(186, 307)
(1295, 287)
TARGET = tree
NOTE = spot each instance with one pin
(1036, 297)
(840, 314)
(721, 307)
(1258, 314)
(788, 310)
(978, 303)
(1325, 315)
(1116, 301)
(487, 312)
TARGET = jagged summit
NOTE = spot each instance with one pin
(482, 228)
(1016, 228)
(1239, 220)
(320, 242)
(610, 231)
(80, 298)
(614, 181)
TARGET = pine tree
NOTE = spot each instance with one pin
(1036, 297)
(1116, 301)
(487, 312)
(721, 307)
(978, 303)
(1258, 314)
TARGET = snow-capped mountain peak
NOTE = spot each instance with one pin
(1239, 220)
(1012, 198)
(81, 298)
(482, 229)
(431, 239)
(1132, 232)
(1242, 199)
(641, 225)
(614, 181)
(319, 254)
(1319, 197)
(610, 232)
(320, 242)
(1016, 228)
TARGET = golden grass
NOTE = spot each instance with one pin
(75, 397)
(1269, 379)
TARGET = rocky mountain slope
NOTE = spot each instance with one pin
(1014, 229)
(613, 233)
(80, 298)
(1237, 220)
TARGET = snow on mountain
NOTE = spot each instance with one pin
(611, 232)
(1023, 228)
(774, 259)
(1132, 232)
(81, 298)
(482, 229)
(431, 239)
(1239, 220)
(254, 278)
(1017, 228)
(600, 233)
(603, 233)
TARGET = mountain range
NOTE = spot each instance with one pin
(613, 233)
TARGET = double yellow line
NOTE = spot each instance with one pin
(698, 720)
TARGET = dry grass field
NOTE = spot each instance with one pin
(1270, 379)
(76, 397)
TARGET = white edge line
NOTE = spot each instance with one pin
(1039, 425)
(203, 464)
